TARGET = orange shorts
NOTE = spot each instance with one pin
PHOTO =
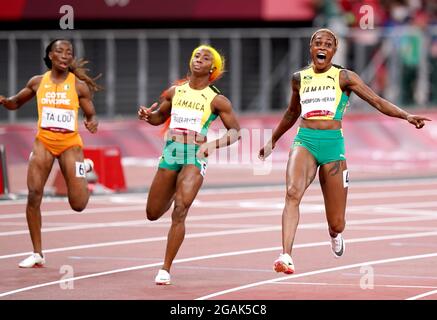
(60, 142)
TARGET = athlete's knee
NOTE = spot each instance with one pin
(294, 194)
(34, 197)
(337, 225)
(152, 215)
(179, 214)
(78, 207)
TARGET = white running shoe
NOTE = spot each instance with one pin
(162, 278)
(338, 245)
(284, 264)
(89, 164)
(33, 261)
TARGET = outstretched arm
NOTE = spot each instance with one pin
(350, 81)
(223, 107)
(25, 94)
(288, 120)
(87, 106)
(158, 113)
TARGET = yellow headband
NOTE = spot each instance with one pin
(218, 61)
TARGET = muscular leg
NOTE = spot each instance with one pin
(78, 193)
(301, 170)
(161, 193)
(335, 194)
(188, 184)
(40, 165)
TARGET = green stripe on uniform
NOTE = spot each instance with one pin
(341, 106)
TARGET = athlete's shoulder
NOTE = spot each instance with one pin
(35, 82)
(37, 78)
(182, 83)
(221, 103)
(80, 85)
(304, 70)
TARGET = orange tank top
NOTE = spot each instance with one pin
(58, 106)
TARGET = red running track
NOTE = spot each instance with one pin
(233, 236)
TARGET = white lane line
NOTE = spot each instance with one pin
(146, 240)
(351, 285)
(320, 271)
(237, 253)
(279, 201)
(383, 275)
(144, 221)
(246, 189)
(51, 213)
(228, 232)
(391, 228)
(426, 215)
(252, 203)
(420, 296)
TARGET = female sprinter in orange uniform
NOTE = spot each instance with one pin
(190, 107)
(59, 92)
(319, 97)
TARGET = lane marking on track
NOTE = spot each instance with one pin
(351, 285)
(305, 209)
(243, 252)
(320, 271)
(383, 275)
(227, 232)
(247, 189)
(419, 296)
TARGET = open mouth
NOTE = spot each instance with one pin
(321, 56)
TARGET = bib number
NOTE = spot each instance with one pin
(58, 120)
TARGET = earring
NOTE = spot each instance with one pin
(210, 71)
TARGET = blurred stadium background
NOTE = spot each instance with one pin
(141, 46)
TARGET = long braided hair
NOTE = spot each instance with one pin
(77, 67)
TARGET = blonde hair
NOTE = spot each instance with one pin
(218, 61)
(327, 31)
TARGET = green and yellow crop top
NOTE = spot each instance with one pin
(191, 108)
(321, 97)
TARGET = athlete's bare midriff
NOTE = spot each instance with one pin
(320, 124)
(186, 136)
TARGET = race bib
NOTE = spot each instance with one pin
(59, 120)
(80, 170)
(186, 119)
(204, 166)
(318, 103)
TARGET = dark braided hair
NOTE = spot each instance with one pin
(76, 67)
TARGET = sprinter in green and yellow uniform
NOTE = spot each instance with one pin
(320, 93)
(188, 109)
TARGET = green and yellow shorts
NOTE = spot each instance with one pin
(325, 145)
(176, 155)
